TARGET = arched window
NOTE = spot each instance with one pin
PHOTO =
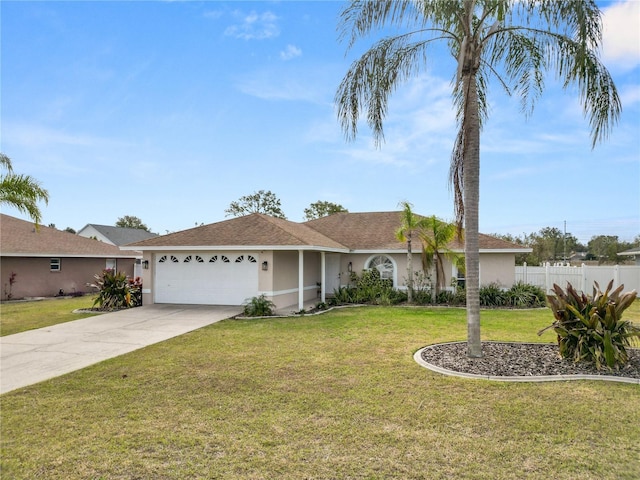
(384, 265)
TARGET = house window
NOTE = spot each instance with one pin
(110, 264)
(54, 265)
(383, 264)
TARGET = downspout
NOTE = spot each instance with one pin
(300, 279)
(323, 277)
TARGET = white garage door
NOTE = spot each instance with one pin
(206, 278)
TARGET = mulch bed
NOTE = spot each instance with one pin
(520, 359)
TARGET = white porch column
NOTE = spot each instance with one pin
(300, 279)
(323, 277)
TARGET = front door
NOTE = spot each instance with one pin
(332, 275)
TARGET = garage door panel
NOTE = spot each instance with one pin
(209, 279)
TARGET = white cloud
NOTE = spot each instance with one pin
(290, 52)
(621, 34)
(254, 26)
(213, 14)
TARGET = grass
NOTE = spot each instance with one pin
(330, 396)
(16, 317)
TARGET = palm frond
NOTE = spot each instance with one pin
(371, 80)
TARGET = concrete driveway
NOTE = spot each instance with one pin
(31, 357)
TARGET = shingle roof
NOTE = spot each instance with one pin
(362, 231)
(341, 231)
(122, 235)
(254, 230)
(376, 231)
(633, 251)
(21, 238)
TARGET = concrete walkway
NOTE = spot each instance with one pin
(31, 357)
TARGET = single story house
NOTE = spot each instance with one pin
(291, 263)
(44, 261)
(115, 235)
(633, 254)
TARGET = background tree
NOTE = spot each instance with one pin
(409, 223)
(516, 42)
(21, 192)
(549, 244)
(259, 202)
(605, 248)
(129, 221)
(321, 209)
(436, 235)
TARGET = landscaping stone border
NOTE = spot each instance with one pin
(529, 378)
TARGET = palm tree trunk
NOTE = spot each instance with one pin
(471, 185)
(409, 270)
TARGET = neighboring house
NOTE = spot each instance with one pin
(115, 235)
(633, 254)
(291, 263)
(46, 261)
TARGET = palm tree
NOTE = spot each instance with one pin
(22, 192)
(514, 41)
(436, 236)
(408, 224)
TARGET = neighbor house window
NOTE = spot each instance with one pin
(111, 264)
(54, 265)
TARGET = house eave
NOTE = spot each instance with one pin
(236, 248)
(456, 250)
(68, 255)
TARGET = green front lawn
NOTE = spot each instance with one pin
(16, 317)
(330, 396)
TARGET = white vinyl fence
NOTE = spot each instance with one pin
(581, 278)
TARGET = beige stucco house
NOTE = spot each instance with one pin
(47, 261)
(290, 263)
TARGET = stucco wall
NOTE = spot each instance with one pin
(34, 277)
(494, 268)
(285, 277)
(497, 268)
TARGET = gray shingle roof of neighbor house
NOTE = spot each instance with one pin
(339, 232)
(631, 252)
(22, 238)
(121, 235)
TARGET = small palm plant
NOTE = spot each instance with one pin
(591, 329)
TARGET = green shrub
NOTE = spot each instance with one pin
(422, 288)
(524, 295)
(591, 329)
(492, 295)
(258, 307)
(368, 287)
(116, 291)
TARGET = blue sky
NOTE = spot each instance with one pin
(169, 111)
